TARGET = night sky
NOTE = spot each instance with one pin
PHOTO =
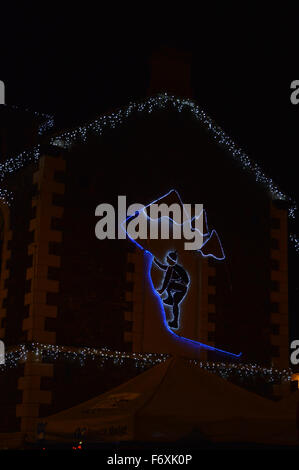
(79, 62)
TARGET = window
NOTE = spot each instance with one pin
(33, 212)
(274, 286)
(53, 273)
(211, 317)
(59, 176)
(131, 248)
(29, 261)
(34, 190)
(58, 200)
(274, 307)
(46, 383)
(56, 223)
(28, 285)
(211, 299)
(274, 244)
(55, 248)
(1, 236)
(50, 324)
(52, 298)
(30, 236)
(212, 280)
(275, 351)
(275, 329)
(129, 286)
(26, 310)
(275, 223)
(211, 336)
(274, 265)
(128, 325)
(130, 267)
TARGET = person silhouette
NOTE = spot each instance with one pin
(175, 284)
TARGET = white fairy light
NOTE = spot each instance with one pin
(117, 118)
(47, 119)
(112, 120)
(295, 240)
(52, 352)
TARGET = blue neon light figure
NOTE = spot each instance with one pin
(175, 284)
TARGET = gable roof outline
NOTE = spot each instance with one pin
(80, 134)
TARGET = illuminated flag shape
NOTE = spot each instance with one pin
(174, 272)
(183, 225)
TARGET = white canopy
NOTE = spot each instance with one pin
(173, 400)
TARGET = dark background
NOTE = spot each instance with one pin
(79, 61)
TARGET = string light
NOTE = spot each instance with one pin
(13, 164)
(6, 197)
(47, 119)
(228, 371)
(115, 119)
(54, 352)
(49, 352)
(295, 240)
(161, 101)
(97, 127)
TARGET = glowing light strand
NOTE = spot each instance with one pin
(207, 235)
(115, 119)
(295, 240)
(226, 370)
(162, 306)
(46, 124)
(13, 164)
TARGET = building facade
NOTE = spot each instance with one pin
(62, 286)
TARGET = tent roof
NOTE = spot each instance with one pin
(171, 400)
(189, 390)
(290, 404)
(132, 394)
